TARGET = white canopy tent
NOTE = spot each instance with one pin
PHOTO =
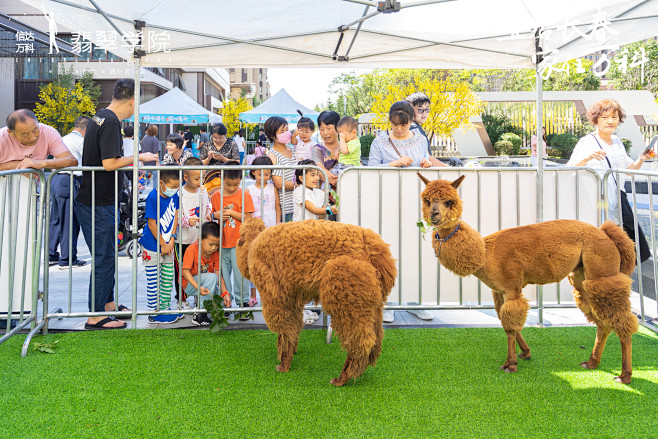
(281, 104)
(175, 107)
(354, 33)
(358, 33)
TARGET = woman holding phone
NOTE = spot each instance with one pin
(602, 150)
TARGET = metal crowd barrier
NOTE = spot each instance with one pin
(66, 310)
(22, 193)
(494, 199)
(646, 301)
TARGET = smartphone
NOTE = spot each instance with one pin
(649, 149)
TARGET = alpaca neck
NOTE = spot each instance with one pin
(461, 252)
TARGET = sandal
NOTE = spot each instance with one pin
(253, 302)
(99, 325)
(124, 308)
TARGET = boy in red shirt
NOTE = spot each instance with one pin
(204, 285)
(227, 207)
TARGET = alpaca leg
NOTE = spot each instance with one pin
(285, 319)
(626, 360)
(525, 349)
(351, 294)
(513, 314)
(610, 301)
(602, 333)
(379, 336)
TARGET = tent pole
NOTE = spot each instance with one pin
(540, 181)
(135, 188)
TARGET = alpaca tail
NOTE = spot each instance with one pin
(624, 245)
(382, 260)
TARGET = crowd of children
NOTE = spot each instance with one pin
(281, 194)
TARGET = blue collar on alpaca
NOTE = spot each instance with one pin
(438, 238)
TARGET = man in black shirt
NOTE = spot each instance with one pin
(188, 137)
(103, 147)
(262, 138)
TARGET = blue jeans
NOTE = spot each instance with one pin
(230, 272)
(103, 257)
(60, 191)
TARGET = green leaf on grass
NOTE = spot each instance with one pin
(216, 309)
(46, 348)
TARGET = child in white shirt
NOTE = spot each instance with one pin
(302, 139)
(308, 200)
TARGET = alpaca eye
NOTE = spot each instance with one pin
(448, 203)
(426, 202)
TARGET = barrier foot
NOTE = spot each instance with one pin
(326, 322)
(16, 329)
(28, 339)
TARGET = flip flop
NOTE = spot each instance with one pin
(98, 326)
(253, 301)
(123, 308)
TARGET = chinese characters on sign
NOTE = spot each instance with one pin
(599, 30)
(109, 40)
(24, 42)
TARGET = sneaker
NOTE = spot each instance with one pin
(200, 320)
(422, 314)
(74, 264)
(388, 316)
(309, 317)
(165, 319)
(207, 320)
(185, 305)
(243, 316)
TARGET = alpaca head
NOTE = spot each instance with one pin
(249, 230)
(442, 206)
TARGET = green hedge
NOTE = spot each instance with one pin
(564, 144)
(366, 141)
(504, 147)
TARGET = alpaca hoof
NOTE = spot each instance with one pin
(525, 355)
(623, 380)
(280, 368)
(588, 365)
(335, 382)
(508, 368)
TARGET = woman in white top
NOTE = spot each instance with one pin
(602, 150)
(240, 141)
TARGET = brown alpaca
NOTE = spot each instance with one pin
(598, 262)
(349, 269)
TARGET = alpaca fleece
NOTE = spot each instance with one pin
(597, 261)
(346, 268)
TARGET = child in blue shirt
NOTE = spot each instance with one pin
(167, 220)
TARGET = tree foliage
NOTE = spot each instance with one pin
(632, 79)
(67, 98)
(525, 79)
(452, 103)
(231, 114)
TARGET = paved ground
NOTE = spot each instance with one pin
(59, 298)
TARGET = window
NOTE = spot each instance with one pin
(244, 75)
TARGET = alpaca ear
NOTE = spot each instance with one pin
(457, 182)
(425, 180)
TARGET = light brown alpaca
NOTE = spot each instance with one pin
(598, 262)
(349, 269)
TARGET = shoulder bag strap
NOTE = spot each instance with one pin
(607, 160)
(391, 142)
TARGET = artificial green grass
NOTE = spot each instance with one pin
(427, 383)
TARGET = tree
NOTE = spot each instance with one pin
(568, 79)
(231, 114)
(632, 79)
(354, 94)
(452, 103)
(67, 98)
